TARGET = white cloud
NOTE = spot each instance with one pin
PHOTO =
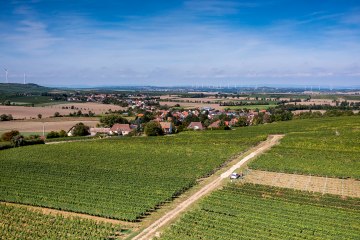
(73, 48)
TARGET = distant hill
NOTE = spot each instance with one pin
(17, 88)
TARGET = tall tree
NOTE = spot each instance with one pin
(81, 129)
(153, 128)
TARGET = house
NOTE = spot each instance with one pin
(163, 113)
(120, 129)
(196, 126)
(196, 113)
(184, 114)
(215, 124)
(166, 127)
(176, 115)
(234, 121)
(70, 133)
(207, 108)
(94, 131)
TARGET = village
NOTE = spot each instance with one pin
(172, 121)
(139, 109)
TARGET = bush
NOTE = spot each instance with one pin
(33, 136)
(153, 128)
(8, 136)
(62, 133)
(53, 134)
(33, 142)
(80, 130)
(181, 128)
(7, 103)
(5, 145)
(18, 141)
(64, 139)
(4, 117)
(133, 132)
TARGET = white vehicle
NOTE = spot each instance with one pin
(234, 176)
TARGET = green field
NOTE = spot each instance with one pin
(336, 96)
(20, 223)
(122, 178)
(28, 100)
(262, 212)
(326, 151)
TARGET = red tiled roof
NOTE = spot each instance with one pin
(120, 127)
(215, 124)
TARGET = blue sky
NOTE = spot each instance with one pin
(171, 42)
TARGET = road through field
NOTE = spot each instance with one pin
(151, 231)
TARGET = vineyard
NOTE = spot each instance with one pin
(128, 178)
(20, 223)
(122, 178)
(261, 212)
(331, 152)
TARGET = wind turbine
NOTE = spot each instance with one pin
(6, 75)
(24, 78)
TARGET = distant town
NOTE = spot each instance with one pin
(170, 110)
